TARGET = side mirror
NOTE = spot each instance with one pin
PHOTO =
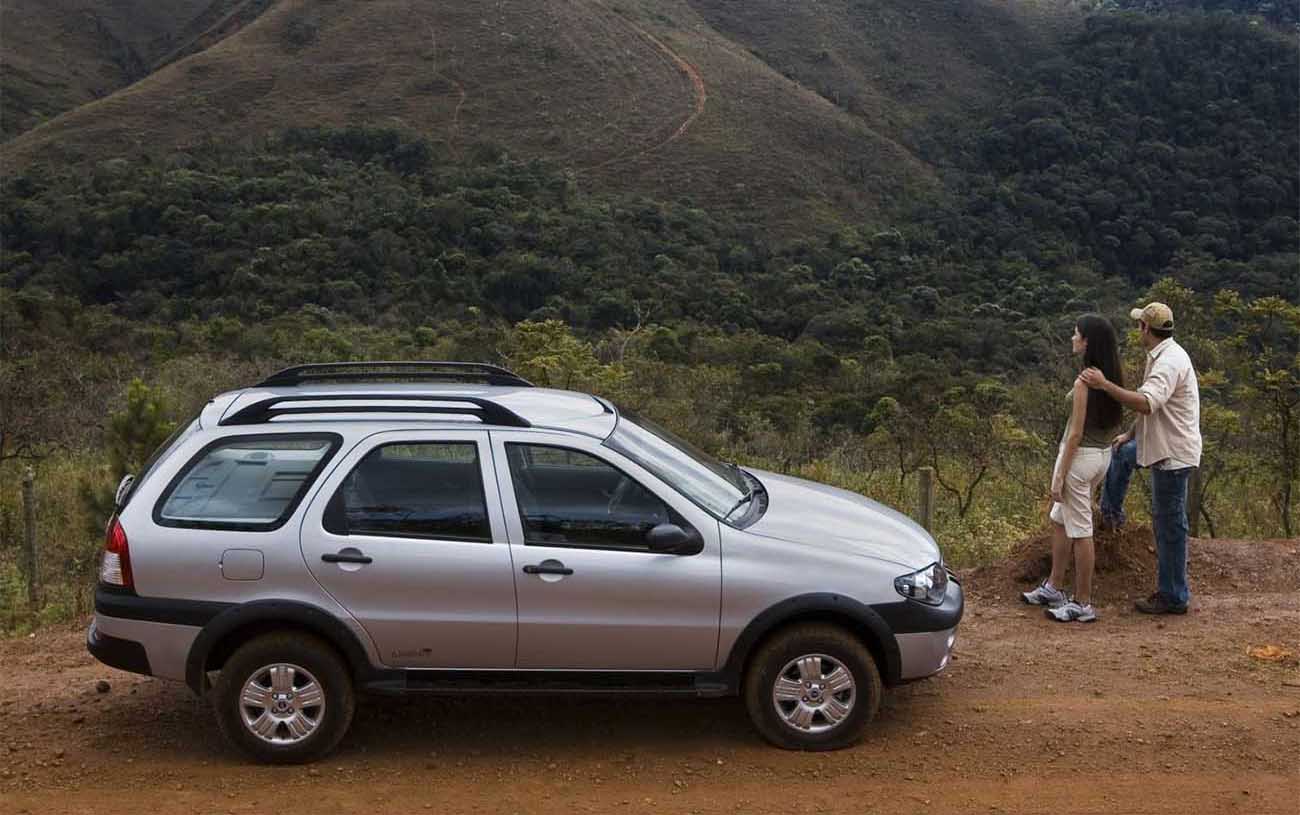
(671, 539)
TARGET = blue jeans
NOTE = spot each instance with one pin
(1168, 515)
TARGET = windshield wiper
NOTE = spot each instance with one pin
(744, 499)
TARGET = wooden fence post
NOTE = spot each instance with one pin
(29, 538)
(1194, 503)
(925, 502)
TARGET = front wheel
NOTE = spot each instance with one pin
(284, 698)
(812, 687)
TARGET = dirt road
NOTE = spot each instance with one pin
(1129, 715)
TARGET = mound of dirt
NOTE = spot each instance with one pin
(1126, 565)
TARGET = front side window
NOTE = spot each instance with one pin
(245, 482)
(570, 498)
(413, 490)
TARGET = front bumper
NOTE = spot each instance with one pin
(926, 653)
(925, 634)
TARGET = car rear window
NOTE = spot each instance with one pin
(245, 482)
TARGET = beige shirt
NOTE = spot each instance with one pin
(1169, 437)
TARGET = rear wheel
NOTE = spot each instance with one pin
(284, 698)
(812, 687)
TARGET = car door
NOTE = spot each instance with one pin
(407, 533)
(591, 594)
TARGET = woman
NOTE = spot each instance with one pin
(1080, 467)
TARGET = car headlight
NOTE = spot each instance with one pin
(928, 585)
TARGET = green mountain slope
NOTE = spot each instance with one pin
(671, 98)
(59, 54)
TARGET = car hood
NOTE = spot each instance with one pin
(805, 512)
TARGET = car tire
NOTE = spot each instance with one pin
(302, 704)
(836, 715)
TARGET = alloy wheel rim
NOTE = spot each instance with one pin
(814, 693)
(281, 703)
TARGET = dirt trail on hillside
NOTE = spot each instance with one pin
(699, 93)
(1132, 714)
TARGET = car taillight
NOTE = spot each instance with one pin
(115, 567)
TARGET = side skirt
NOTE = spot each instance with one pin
(548, 682)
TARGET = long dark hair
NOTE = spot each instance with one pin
(1103, 353)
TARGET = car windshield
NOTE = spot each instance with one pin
(699, 476)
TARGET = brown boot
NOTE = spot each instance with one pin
(1157, 603)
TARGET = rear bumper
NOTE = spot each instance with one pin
(140, 646)
(125, 655)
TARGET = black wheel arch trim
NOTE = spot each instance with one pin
(267, 614)
(863, 619)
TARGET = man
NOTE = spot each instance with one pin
(1165, 437)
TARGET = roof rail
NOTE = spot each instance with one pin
(388, 371)
(485, 410)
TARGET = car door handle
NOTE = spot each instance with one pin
(547, 568)
(346, 557)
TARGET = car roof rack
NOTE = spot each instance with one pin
(272, 407)
(386, 371)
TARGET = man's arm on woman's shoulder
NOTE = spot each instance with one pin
(1133, 400)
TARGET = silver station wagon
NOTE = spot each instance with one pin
(443, 527)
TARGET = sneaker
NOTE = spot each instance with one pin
(1157, 603)
(1045, 595)
(1072, 611)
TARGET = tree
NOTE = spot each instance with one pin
(548, 353)
(900, 431)
(132, 435)
(972, 434)
(1265, 342)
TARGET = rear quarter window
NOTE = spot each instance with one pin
(182, 431)
(252, 483)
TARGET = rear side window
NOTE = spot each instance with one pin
(431, 490)
(245, 482)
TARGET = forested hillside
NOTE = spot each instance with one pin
(1146, 149)
(1281, 14)
(1150, 146)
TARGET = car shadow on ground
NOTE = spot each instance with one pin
(166, 716)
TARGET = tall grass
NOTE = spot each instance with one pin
(68, 549)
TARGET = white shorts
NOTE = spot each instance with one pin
(1086, 473)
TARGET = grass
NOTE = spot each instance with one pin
(67, 549)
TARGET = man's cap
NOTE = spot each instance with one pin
(1155, 315)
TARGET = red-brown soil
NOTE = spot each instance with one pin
(1132, 714)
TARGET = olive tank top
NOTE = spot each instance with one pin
(1092, 436)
